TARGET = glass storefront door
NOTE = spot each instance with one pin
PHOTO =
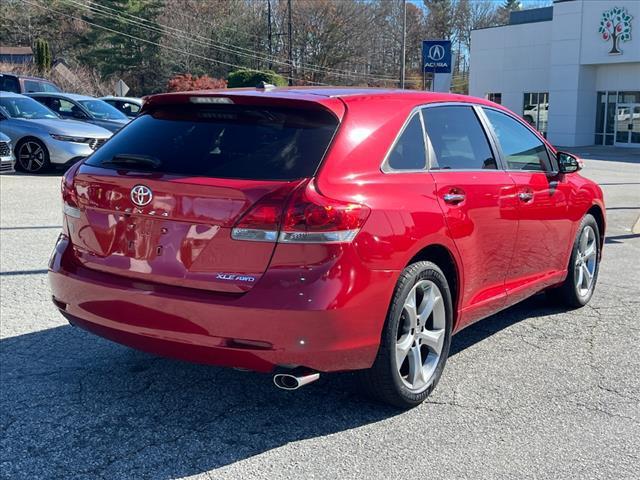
(627, 124)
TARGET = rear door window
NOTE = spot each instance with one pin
(62, 107)
(458, 139)
(261, 143)
(31, 86)
(49, 87)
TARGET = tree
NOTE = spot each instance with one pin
(504, 12)
(253, 78)
(116, 48)
(440, 21)
(42, 55)
(615, 25)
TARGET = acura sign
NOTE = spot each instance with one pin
(436, 56)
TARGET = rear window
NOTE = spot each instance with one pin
(260, 143)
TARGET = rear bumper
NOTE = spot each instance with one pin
(329, 324)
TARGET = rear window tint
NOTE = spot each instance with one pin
(261, 143)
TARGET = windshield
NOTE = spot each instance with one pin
(259, 143)
(102, 110)
(23, 107)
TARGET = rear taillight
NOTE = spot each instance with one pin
(261, 223)
(309, 218)
(69, 198)
(313, 218)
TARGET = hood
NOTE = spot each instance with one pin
(112, 125)
(59, 126)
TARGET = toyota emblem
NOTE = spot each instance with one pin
(141, 195)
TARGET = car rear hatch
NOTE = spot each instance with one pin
(158, 201)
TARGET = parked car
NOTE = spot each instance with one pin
(357, 230)
(84, 108)
(130, 106)
(537, 115)
(7, 159)
(25, 84)
(41, 138)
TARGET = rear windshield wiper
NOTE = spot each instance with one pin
(133, 160)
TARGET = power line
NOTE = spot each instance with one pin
(149, 41)
(308, 66)
(235, 50)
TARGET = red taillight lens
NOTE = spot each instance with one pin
(265, 216)
(308, 218)
(261, 223)
(309, 211)
(69, 197)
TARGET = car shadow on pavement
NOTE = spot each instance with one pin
(76, 406)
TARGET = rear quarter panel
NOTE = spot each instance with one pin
(405, 215)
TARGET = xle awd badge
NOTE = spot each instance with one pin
(141, 195)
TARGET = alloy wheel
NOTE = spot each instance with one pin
(420, 337)
(586, 261)
(31, 156)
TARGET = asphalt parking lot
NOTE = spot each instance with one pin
(533, 392)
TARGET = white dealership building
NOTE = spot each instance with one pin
(571, 69)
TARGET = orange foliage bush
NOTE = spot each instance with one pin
(187, 83)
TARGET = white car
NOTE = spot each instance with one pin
(130, 106)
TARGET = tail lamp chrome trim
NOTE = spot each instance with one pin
(272, 236)
(70, 211)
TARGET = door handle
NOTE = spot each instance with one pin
(525, 196)
(453, 198)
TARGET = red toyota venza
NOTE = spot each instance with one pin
(300, 231)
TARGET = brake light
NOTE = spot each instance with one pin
(308, 218)
(261, 223)
(314, 218)
(69, 198)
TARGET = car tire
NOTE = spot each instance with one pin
(32, 156)
(394, 378)
(584, 265)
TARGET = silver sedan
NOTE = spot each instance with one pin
(7, 160)
(42, 139)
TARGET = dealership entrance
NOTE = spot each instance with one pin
(618, 118)
(627, 125)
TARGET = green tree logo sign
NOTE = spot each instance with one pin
(615, 25)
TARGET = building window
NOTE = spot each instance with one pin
(495, 98)
(608, 103)
(535, 110)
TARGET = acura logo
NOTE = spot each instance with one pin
(141, 195)
(436, 53)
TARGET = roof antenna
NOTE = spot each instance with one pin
(265, 86)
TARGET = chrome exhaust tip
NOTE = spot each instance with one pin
(288, 381)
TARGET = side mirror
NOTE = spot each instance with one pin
(568, 163)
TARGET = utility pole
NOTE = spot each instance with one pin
(290, 46)
(269, 34)
(404, 42)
